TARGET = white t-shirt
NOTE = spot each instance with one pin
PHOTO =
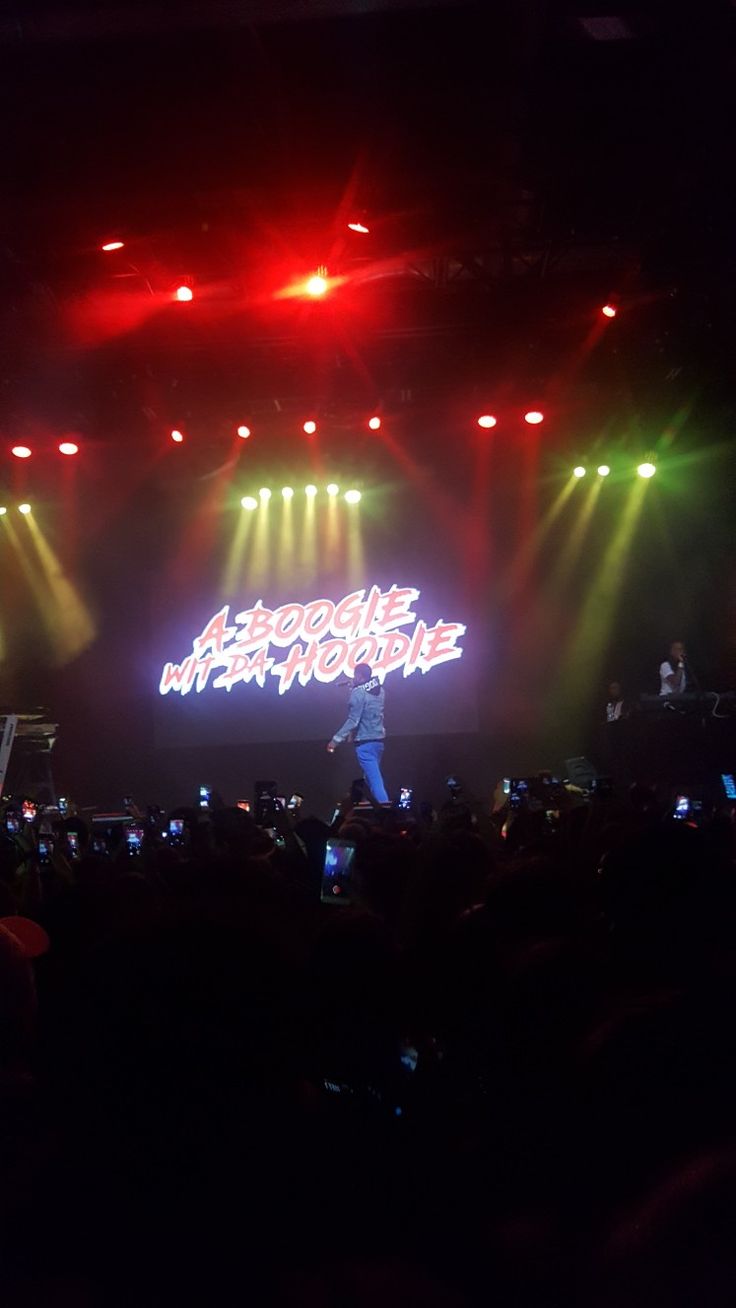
(666, 670)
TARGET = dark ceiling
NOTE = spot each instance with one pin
(515, 161)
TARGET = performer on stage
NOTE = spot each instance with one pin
(364, 725)
(673, 677)
(615, 707)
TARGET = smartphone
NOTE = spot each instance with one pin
(264, 796)
(45, 849)
(205, 795)
(406, 796)
(176, 831)
(134, 841)
(63, 806)
(281, 801)
(72, 841)
(295, 802)
(28, 808)
(507, 785)
(518, 791)
(729, 785)
(682, 808)
(276, 837)
(337, 872)
(243, 804)
(12, 824)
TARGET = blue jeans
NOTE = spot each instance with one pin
(369, 755)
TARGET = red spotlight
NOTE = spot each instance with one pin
(21, 452)
(310, 427)
(316, 286)
(374, 423)
(68, 447)
(243, 432)
(177, 436)
(609, 311)
(533, 417)
(487, 420)
(183, 293)
(359, 227)
(112, 245)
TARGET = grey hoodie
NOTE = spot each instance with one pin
(365, 714)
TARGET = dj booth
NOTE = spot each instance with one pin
(684, 739)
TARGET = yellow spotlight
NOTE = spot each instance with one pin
(352, 497)
(288, 492)
(579, 471)
(24, 508)
(3, 510)
(310, 492)
(264, 493)
(646, 469)
(249, 502)
(332, 489)
(604, 470)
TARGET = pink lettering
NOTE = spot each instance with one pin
(215, 634)
(347, 614)
(287, 621)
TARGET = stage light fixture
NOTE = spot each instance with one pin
(177, 436)
(68, 447)
(310, 492)
(265, 494)
(579, 471)
(603, 470)
(21, 451)
(287, 492)
(3, 510)
(249, 502)
(332, 489)
(243, 432)
(316, 286)
(359, 227)
(646, 469)
(609, 311)
(533, 417)
(486, 420)
(352, 497)
(111, 245)
(309, 427)
(374, 423)
(24, 508)
(183, 294)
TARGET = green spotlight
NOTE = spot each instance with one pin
(646, 469)
(264, 493)
(249, 502)
(579, 471)
(287, 492)
(310, 492)
(332, 489)
(352, 497)
(24, 508)
(603, 470)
